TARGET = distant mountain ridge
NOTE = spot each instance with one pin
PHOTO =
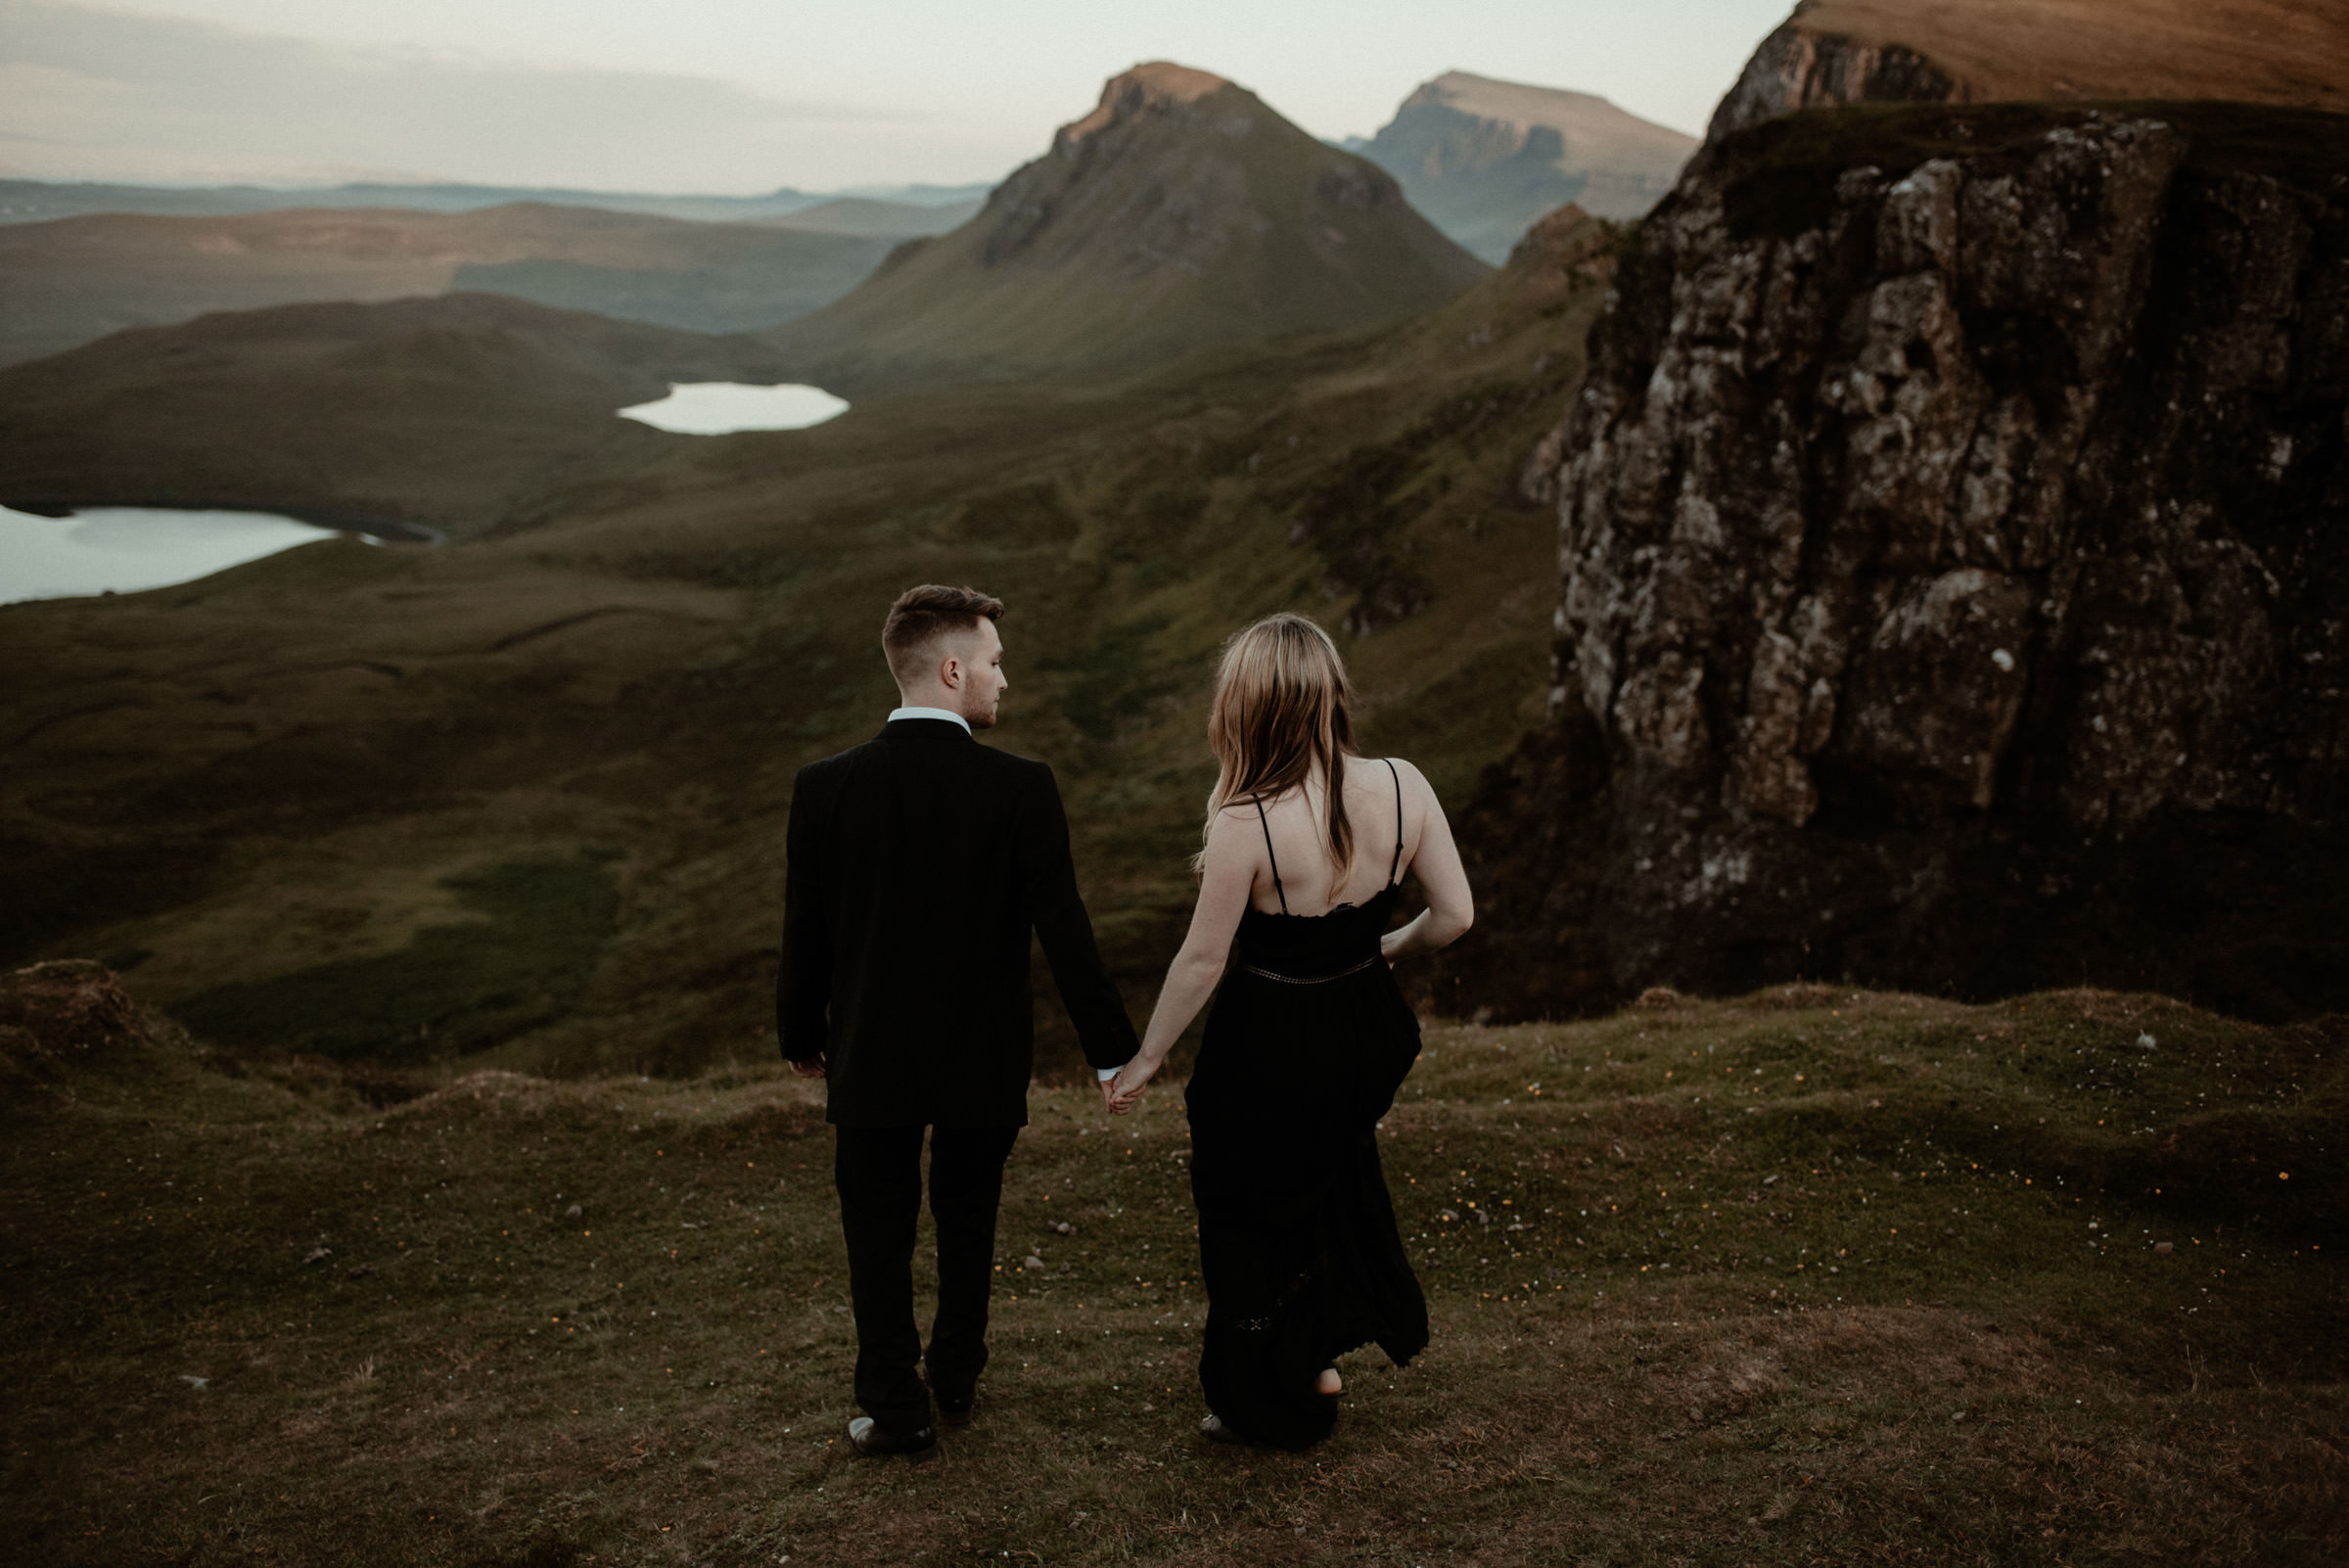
(38, 201)
(872, 217)
(1179, 215)
(1485, 159)
(69, 281)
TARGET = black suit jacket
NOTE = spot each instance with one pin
(919, 863)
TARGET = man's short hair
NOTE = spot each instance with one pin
(921, 616)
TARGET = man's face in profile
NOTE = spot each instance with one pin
(983, 680)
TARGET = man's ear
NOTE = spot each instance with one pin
(950, 672)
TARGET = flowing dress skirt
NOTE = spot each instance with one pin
(1297, 1236)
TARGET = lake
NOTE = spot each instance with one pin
(130, 548)
(722, 407)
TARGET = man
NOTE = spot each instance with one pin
(919, 863)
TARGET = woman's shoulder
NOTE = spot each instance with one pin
(1241, 810)
(1407, 772)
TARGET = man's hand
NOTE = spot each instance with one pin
(813, 1067)
(1109, 1095)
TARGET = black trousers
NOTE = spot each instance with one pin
(879, 1173)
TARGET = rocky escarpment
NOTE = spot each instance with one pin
(1954, 550)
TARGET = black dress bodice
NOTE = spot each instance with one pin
(1304, 949)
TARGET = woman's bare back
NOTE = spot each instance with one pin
(1296, 825)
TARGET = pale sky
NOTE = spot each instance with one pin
(743, 96)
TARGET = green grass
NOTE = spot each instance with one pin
(457, 987)
(1815, 1276)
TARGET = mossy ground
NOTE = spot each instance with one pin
(1816, 1276)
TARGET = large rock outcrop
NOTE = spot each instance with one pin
(1955, 567)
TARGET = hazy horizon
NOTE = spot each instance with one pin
(730, 97)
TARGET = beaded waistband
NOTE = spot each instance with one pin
(1312, 980)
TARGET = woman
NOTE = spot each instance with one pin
(1308, 1039)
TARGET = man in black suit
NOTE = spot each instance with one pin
(919, 863)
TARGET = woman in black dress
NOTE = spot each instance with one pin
(1309, 1039)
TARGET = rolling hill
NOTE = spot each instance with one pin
(437, 411)
(1485, 159)
(1180, 215)
(73, 280)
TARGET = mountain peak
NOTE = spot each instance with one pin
(1181, 214)
(1153, 84)
(1485, 158)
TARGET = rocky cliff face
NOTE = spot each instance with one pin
(1953, 540)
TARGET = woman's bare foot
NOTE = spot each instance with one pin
(1330, 1382)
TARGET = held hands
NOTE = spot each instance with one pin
(813, 1067)
(1124, 1092)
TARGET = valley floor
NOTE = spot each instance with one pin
(1814, 1276)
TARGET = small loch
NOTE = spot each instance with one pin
(722, 407)
(128, 549)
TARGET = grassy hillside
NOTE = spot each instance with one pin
(73, 280)
(1181, 215)
(520, 798)
(2292, 53)
(1813, 1276)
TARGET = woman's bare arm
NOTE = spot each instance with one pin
(1450, 907)
(1226, 882)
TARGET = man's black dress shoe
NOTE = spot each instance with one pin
(866, 1438)
(953, 1414)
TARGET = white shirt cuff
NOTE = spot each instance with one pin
(1108, 1073)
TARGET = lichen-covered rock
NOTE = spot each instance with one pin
(1953, 543)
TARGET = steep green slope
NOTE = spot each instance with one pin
(521, 796)
(1181, 214)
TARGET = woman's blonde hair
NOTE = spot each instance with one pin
(1283, 706)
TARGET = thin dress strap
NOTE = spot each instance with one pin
(1269, 855)
(1396, 866)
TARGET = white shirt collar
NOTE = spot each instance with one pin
(930, 713)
